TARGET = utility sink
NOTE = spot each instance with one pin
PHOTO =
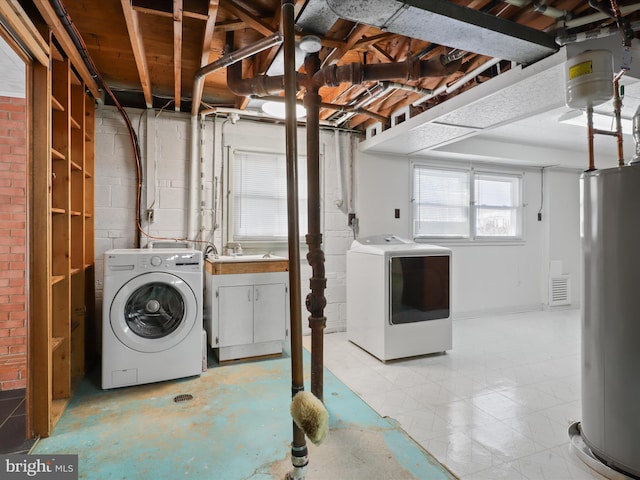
(239, 264)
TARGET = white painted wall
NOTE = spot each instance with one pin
(164, 139)
(486, 278)
(562, 217)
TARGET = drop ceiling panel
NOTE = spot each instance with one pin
(513, 95)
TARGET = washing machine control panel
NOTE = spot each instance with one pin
(186, 261)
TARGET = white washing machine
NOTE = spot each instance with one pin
(398, 297)
(151, 316)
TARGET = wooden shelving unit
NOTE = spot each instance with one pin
(70, 232)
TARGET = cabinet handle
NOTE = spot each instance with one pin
(257, 294)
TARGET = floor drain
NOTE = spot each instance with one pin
(184, 397)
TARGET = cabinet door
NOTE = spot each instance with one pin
(235, 314)
(269, 312)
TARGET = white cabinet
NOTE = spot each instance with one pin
(246, 314)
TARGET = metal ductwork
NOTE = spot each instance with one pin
(445, 23)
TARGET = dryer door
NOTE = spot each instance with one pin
(153, 312)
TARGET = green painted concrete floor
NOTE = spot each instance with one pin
(236, 427)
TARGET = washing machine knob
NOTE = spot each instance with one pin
(156, 261)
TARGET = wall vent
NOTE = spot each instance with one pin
(559, 290)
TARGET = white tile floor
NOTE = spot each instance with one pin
(497, 406)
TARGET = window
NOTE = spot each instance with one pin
(259, 200)
(466, 204)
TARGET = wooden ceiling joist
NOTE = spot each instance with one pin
(177, 52)
(16, 20)
(163, 9)
(243, 14)
(207, 38)
(135, 36)
(354, 37)
(51, 18)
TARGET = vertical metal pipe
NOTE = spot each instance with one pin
(617, 106)
(590, 134)
(298, 446)
(315, 301)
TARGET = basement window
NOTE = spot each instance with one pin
(258, 200)
(466, 204)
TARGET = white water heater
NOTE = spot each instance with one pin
(610, 424)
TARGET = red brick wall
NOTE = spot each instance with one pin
(13, 243)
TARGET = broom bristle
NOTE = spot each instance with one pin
(310, 416)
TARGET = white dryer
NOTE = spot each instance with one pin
(398, 297)
(151, 316)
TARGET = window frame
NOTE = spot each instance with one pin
(473, 237)
(268, 242)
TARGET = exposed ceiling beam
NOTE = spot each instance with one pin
(253, 21)
(135, 37)
(206, 47)
(51, 18)
(177, 52)
(21, 26)
(165, 9)
(338, 53)
(366, 41)
(381, 53)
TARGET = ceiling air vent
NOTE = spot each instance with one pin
(559, 290)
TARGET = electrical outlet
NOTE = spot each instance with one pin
(397, 213)
(352, 219)
(150, 215)
(539, 217)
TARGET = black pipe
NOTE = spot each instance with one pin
(315, 301)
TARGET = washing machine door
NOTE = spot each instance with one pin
(153, 312)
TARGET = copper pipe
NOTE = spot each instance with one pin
(315, 301)
(617, 106)
(299, 453)
(590, 134)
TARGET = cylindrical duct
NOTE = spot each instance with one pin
(589, 77)
(610, 327)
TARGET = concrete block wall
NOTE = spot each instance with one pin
(13, 244)
(164, 139)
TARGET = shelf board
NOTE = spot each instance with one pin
(58, 211)
(75, 124)
(88, 175)
(75, 166)
(75, 213)
(88, 215)
(88, 265)
(56, 105)
(87, 137)
(56, 155)
(74, 271)
(56, 279)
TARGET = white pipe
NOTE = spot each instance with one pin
(461, 81)
(596, 17)
(341, 202)
(435, 93)
(201, 189)
(193, 180)
(472, 74)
